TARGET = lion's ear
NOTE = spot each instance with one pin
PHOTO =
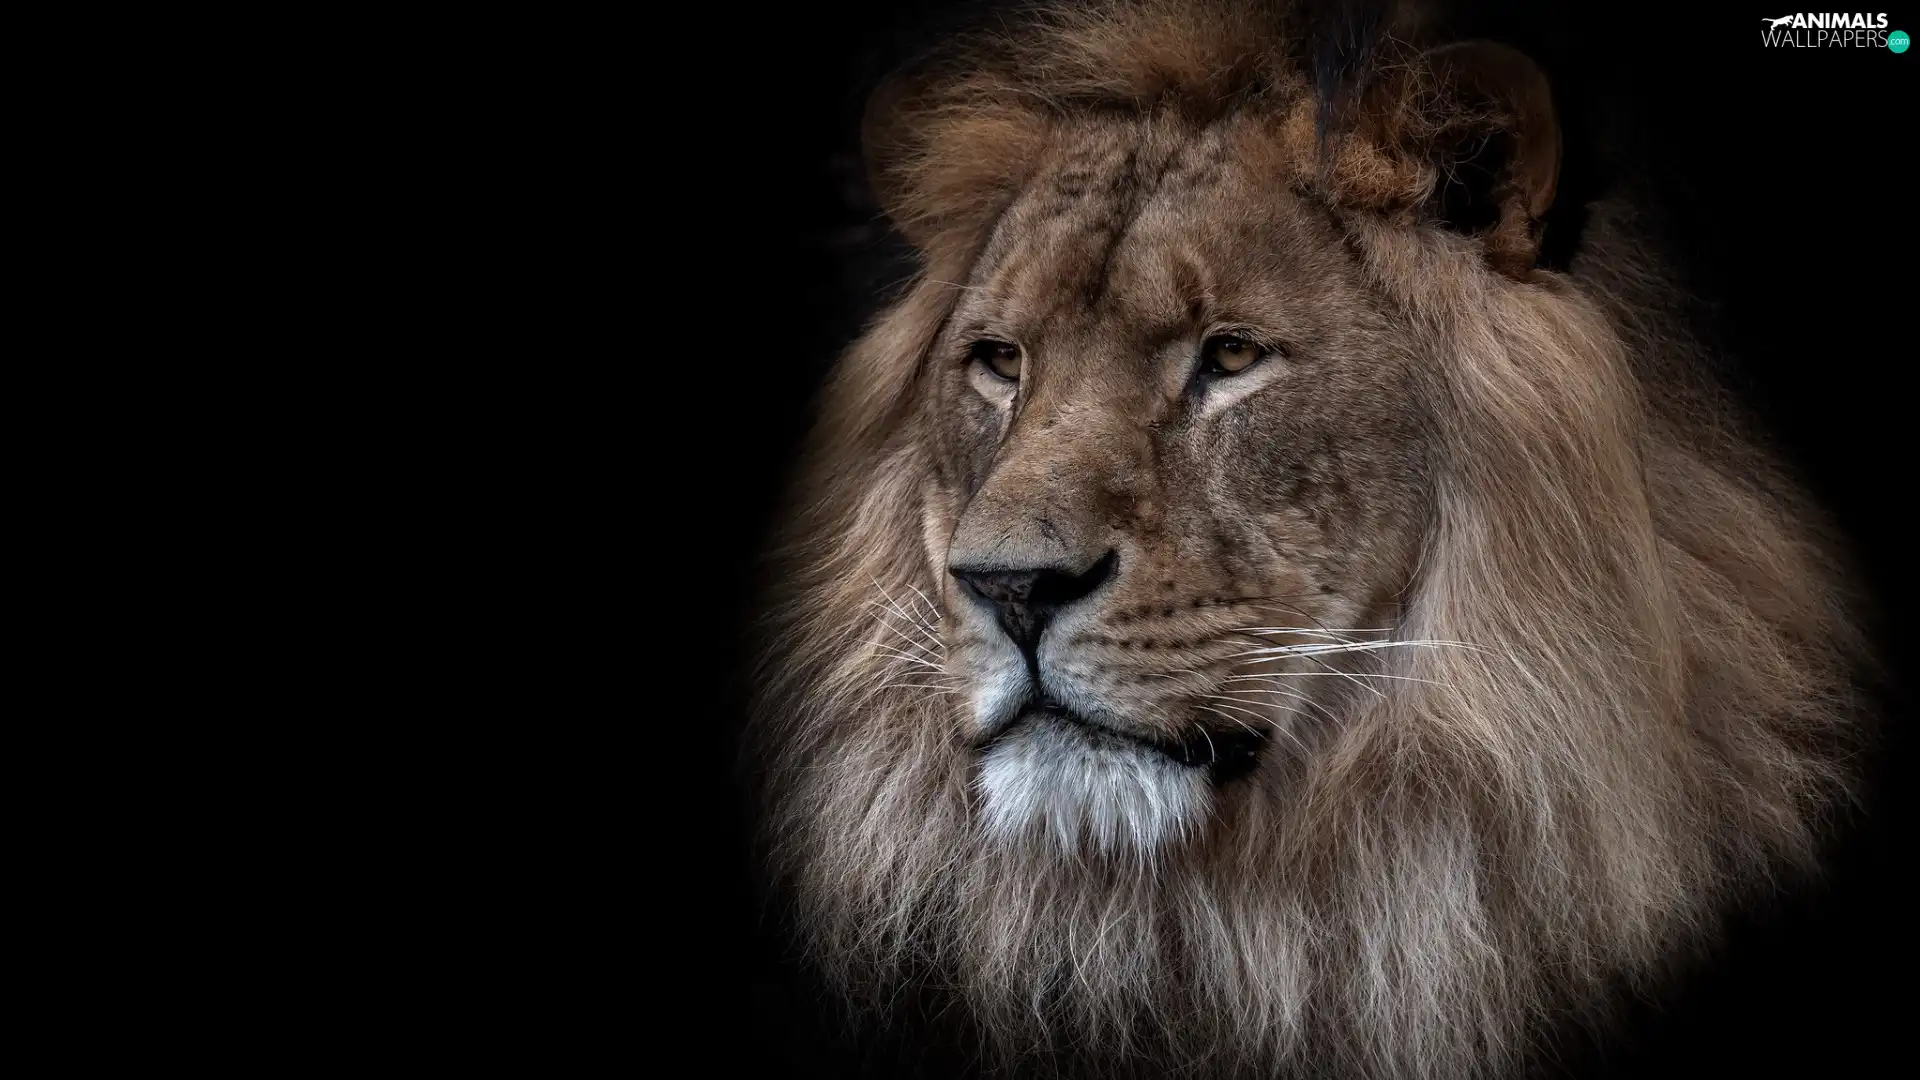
(941, 160)
(1480, 116)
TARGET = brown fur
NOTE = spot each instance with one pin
(1439, 846)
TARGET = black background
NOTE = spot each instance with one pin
(753, 258)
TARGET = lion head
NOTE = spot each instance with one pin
(1239, 610)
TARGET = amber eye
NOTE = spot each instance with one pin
(998, 357)
(1225, 354)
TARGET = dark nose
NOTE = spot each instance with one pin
(1027, 600)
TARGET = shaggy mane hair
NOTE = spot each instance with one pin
(1651, 727)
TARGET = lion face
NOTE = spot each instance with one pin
(1239, 611)
(1179, 475)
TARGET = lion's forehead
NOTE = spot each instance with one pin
(1125, 229)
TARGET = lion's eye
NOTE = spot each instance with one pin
(998, 357)
(1225, 354)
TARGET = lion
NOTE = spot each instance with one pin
(1241, 611)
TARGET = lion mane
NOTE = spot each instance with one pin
(1649, 731)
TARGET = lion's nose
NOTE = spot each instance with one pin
(1026, 600)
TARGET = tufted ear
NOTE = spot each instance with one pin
(1480, 116)
(942, 160)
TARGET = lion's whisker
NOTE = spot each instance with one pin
(1352, 674)
(1272, 723)
(930, 646)
(907, 645)
(1238, 707)
(1340, 633)
(1272, 654)
(1234, 719)
(920, 686)
(893, 608)
(895, 600)
(1358, 646)
(932, 608)
(908, 657)
(1304, 699)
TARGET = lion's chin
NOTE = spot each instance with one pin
(1078, 788)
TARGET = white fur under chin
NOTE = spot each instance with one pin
(1075, 788)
